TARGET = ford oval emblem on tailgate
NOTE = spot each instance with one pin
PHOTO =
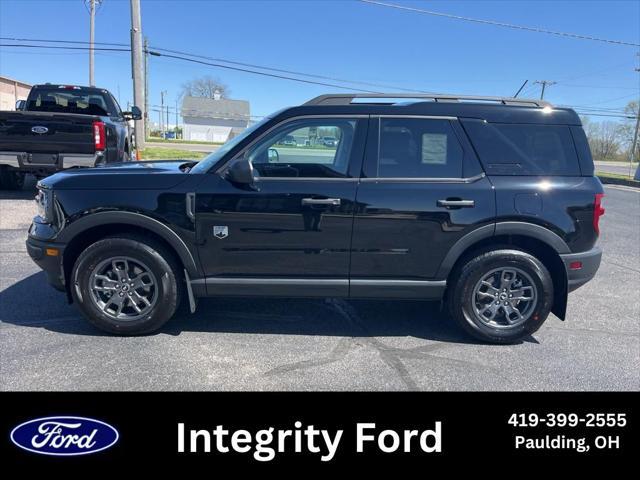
(39, 129)
(64, 436)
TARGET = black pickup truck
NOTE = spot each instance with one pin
(62, 126)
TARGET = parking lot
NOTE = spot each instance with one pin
(254, 344)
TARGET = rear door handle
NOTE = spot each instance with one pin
(456, 203)
(321, 201)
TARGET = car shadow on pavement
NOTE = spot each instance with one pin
(32, 303)
(25, 193)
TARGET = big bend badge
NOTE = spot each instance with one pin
(220, 231)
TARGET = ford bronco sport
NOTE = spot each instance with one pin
(487, 204)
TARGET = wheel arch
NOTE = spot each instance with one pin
(85, 231)
(534, 239)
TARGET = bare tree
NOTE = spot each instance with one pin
(604, 139)
(206, 87)
(627, 129)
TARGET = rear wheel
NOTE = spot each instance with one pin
(126, 285)
(501, 296)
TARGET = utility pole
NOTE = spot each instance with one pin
(544, 83)
(176, 129)
(146, 85)
(162, 119)
(91, 4)
(136, 71)
(634, 144)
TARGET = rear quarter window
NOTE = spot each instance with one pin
(523, 149)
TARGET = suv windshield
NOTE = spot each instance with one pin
(214, 157)
(71, 100)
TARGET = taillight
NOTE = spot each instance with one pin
(598, 211)
(99, 135)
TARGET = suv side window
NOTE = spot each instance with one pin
(523, 149)
(418, 148)
(311, 148)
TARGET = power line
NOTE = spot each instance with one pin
(597, 86)
(16, 39)
(158, 54)
(292, 72)
(499, 24)
(231, 62)
(154, 53)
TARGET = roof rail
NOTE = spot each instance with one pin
(347, 99)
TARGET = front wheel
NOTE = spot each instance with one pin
(10, 179)
(126, 285)
(501, 296)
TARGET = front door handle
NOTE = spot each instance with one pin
(321, 201)
(456, 203)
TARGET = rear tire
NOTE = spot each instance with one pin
(126, 284)
(501, 296)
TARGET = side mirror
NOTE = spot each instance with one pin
(20, 105)
(241, 172)
(273, 156)
(134, 114)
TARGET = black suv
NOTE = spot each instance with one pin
(488, 204)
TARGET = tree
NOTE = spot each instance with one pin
(205, 87)
(604, 139)
(627, 130)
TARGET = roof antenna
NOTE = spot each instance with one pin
(520, 89)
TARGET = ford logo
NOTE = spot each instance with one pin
(40, 130)
(64, 436)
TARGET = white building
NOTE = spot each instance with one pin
(213, 119)
(11, 91)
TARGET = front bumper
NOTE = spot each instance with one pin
(41, 253)
(590, 261)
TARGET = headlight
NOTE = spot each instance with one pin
(44, 201)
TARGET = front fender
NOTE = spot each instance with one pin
(101, 219)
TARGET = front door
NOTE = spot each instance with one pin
(289, 233)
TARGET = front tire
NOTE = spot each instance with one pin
(126, 284)
(11, 180)
(501, 296)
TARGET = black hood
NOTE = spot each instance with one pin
(156, 174)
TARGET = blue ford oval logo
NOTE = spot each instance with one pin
(39, 129)
(64, 436)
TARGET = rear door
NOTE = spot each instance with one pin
(421, 190)
(290, 232)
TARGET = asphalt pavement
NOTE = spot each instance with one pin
(260, 344)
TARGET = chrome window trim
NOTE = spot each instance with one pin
(307, 179)
(424, 179)
(428, 117)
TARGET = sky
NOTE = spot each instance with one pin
(343, 39)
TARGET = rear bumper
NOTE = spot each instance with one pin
(25, 161)
(51, 264)
(590, 263)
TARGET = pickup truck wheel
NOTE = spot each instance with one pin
(126, 285)
(501, 296)
(10, 180)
